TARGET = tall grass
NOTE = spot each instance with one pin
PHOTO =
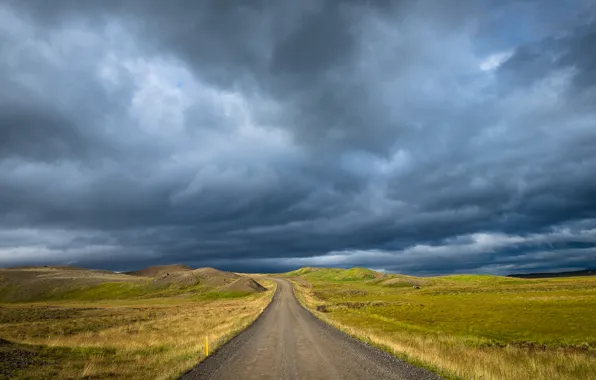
(463, 332)
(156, 338)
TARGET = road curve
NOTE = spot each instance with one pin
(289, 343)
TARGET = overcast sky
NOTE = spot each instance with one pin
(421, 137)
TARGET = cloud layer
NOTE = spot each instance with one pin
(405, 136)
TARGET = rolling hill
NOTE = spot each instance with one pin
(28, 284)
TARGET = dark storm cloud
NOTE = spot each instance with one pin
(532, 62)
(42, 136)
(405, 136)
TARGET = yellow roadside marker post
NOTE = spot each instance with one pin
(207, 345)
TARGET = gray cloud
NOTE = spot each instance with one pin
(270, 135)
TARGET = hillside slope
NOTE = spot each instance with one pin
(28, 284)
(336, 274)
(72, 323)
(159, 270)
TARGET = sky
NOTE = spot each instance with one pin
(419, 137)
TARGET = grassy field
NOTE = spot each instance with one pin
(464, 326)
(76, 326)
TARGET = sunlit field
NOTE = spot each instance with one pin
(124, 330)
(464, 326)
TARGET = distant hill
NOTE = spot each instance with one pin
(337, 274)
(585, 272)
(245, 285)
(210, 277)
(159, 270)
(42, 283)
(41, 267)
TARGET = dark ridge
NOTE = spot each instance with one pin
(578, 273)
(159, 270)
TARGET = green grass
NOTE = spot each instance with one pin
(507, 328)
(108, 290)
(479, 278)
(336, 274)
(213, 295)
(116, 291)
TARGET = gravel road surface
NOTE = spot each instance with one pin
(289, 343)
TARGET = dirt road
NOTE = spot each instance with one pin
(288, 342)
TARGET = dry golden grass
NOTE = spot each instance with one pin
(132, 339)
(452, 355)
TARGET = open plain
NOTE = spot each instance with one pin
(312, 323)
(463, 326)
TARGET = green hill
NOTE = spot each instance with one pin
(336, 274)
(33, 284)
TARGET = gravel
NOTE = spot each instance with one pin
(288, 342)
